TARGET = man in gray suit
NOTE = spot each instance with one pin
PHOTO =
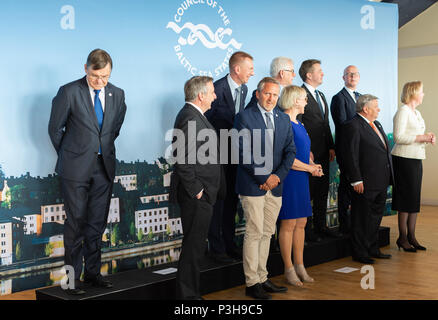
(85, 120)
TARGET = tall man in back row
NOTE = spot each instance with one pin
(85, 120)
(231, 92)
(343, 109)
(316, 121)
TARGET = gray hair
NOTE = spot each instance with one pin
(363, 100)
(262, 82)
(196, 85)
(280, 63)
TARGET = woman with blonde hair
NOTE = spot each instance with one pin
(409, 150)
(296, 205)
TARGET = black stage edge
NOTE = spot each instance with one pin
(145, 285)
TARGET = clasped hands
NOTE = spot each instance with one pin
(316, 170)
(431, 138)
(271, 183)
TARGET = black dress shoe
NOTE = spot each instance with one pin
(268, 286)
(256, 291)
(365, 260)
(221, 258)
(98, 281)
(77, 291)
(381, 255)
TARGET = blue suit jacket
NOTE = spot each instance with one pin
(222, 112)
(247, 181)
(343, 109)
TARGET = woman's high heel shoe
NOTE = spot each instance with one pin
(292, 278)
(409, 249)
(416, 245)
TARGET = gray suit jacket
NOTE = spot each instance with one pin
(74, 130)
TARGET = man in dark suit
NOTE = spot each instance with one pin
(369, 171)
(343, 109)
(282, 70)
(316, 122)
(266, 153)
(231, 93)
(195, 183)
(86, 118)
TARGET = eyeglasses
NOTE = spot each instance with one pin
(352, 74)
(96, 77)
(293, 71)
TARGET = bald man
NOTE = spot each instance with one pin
(343, 109)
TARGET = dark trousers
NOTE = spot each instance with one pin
(86, 206)
(344, 201)
(319, 187)
(195, 218)
(366, 215)
(223, 223)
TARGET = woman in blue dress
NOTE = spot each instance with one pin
(296, 205)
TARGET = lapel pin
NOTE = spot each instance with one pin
(110, 94)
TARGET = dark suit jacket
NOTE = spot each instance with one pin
(366, 157)
(195, 177)
(317, 127)
(222, 112)
(75, 133)
(343, 109)
(247, 182)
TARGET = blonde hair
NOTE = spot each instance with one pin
(288, 96)
(410, 90)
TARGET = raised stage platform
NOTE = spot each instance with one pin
(145, 285)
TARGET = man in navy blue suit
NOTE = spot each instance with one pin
(343, 109)
(266, 153)
(231, 93)
(86, 118)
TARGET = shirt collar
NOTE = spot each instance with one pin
(311, 89)
(264, 111)
(233, 85)
(350, 91)
(368, 121)
(195, 106)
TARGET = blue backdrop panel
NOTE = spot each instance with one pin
(156, 46)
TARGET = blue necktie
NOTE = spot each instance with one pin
(356, 94)
(270, 125)
(99, 112)
(319, 103)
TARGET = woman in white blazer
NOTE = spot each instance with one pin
(407, 155)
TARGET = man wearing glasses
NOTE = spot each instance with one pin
(282, 70)
(343, 109)
(85, 120)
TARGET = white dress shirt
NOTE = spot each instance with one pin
(271, 114)
(101, 96)
(313, 92)
(351, 92)
(233, 86)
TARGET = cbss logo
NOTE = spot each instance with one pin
(190, 33)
